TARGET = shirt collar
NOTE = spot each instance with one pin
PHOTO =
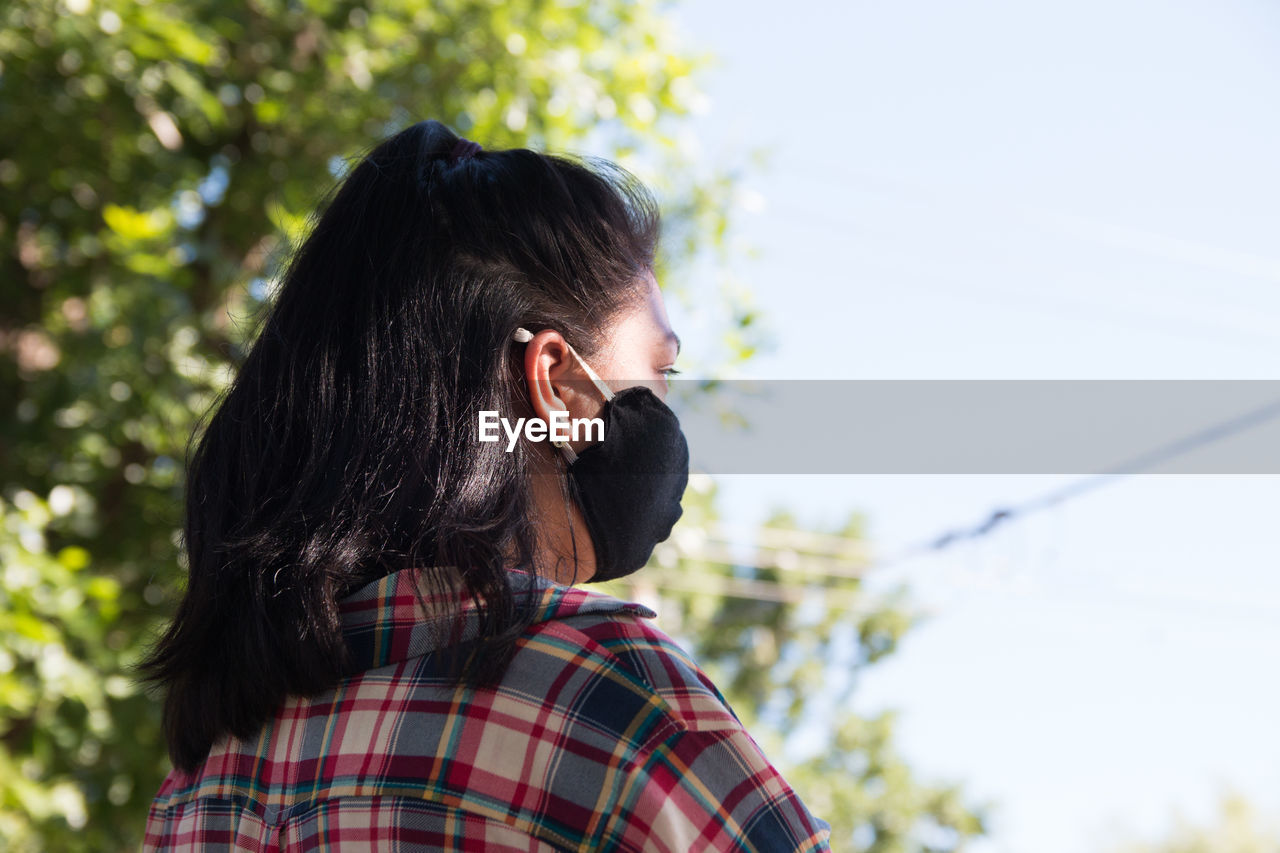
(384, 623)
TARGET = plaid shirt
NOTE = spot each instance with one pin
(603, 735)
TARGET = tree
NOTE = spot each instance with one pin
(1237, 828)
(159, 162)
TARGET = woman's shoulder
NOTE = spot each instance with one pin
(628, 634)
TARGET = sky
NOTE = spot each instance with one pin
(986, 190)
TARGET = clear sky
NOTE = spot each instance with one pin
(986, 190)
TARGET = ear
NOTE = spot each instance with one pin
(555, 379)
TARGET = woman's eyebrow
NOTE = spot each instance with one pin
(672, 336)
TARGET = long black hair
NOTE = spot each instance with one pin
(345, 448)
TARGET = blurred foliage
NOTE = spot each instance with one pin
(158, 163)
(1237, 828)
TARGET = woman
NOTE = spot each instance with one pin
(380, 644)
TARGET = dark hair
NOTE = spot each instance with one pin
(344, 449)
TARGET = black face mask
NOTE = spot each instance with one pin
(629, 485)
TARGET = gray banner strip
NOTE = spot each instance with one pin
(1223, 427)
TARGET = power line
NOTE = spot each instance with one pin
(762, 590)
(1056, 497)
(658, 580)
(779, 548)
(840, 557)
(1148, 242)
(932, 276)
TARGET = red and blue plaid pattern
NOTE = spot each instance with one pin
(603, 735)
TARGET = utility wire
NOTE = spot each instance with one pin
(1056, 497)
(839, 557)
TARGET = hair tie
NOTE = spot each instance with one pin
(464, 149)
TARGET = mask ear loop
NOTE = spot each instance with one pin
(523, 336)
